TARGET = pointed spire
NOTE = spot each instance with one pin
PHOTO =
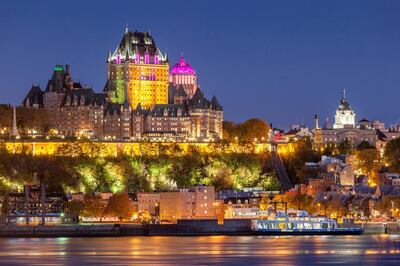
(14, 130)
(166, 55)
(126, 28)
(344, 94)
(109, 57)
(215, 104)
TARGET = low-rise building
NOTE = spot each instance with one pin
(35, 205)
(194, 203)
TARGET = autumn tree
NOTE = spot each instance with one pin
(75, 207)
(34, 119)
(93, 206)
(369, 162)
(392, 154)
(389, 206)
(248, 131)
(119, 205)
(294, 162)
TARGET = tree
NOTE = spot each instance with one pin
(364, 145)
(294, 162)
(119, 205)
(392, 154)
(70, 149)
(93, 206)
(344, 147)
(75, 207)
(369, 162)
(253, 129)
(248, 131)
(389, 205)
(329, 149)
(230, 130)
(4, 205)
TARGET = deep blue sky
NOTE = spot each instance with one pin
(281, 61)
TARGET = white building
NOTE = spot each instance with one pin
(345, 116)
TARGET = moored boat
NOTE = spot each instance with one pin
(303, 224)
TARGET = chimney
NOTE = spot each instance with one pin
(67, 70)
(316, 126)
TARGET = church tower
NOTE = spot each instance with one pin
(345, 116)
(137, 72)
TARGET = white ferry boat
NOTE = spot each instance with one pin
(301, 224)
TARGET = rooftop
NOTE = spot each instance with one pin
(183, 67)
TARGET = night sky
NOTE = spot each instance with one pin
(282, 61)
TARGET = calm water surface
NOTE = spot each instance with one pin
(207, 250)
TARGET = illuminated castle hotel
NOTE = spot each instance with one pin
(140, 101)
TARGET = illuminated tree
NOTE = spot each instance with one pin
(70, 149)
(369, 162)
(389, 206)
(93, 206)
(392, 154)
(119, 205)
(294, 162)
(249, 131)
(136, 178)
(33, 119)
(253, 129)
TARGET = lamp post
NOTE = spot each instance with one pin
(325, 205)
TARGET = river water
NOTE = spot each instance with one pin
(203, 250)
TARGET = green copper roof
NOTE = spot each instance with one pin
(58, 68)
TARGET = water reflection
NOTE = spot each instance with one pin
(285, 250)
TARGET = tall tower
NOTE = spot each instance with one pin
(137, 72)
(14, 129)
(316, 123)
(182, 73)
(345, 116)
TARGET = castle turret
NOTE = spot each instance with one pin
(182, 73)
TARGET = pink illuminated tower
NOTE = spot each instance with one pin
(182, 73)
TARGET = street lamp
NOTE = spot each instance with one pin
(325, 198)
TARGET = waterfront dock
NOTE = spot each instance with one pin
(182, 228)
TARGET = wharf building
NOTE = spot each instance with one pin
(141, 99)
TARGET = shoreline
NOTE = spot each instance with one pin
(236, 228)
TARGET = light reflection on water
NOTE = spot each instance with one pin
(232, 250)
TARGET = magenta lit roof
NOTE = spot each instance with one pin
(182, 67)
